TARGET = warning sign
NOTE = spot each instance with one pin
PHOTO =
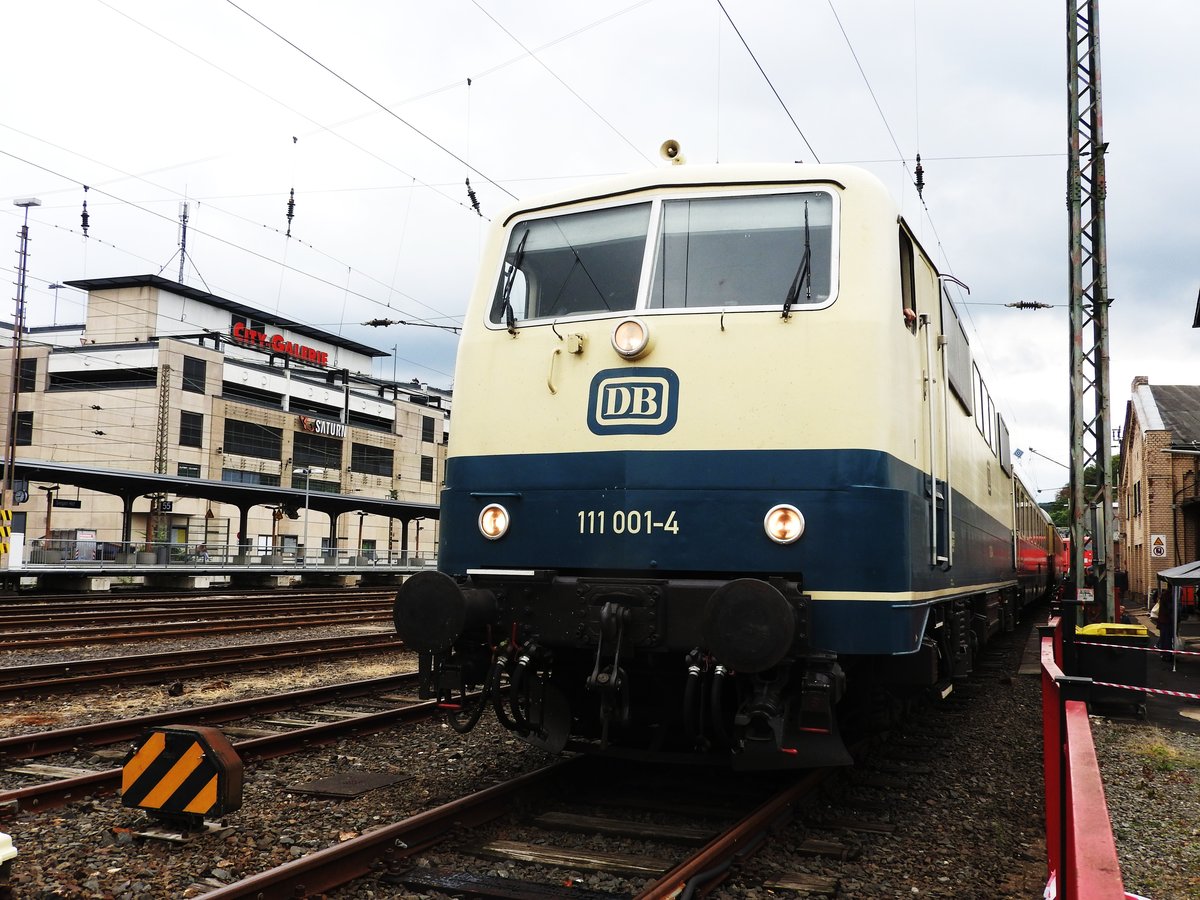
(1158, 546)
(183, 771)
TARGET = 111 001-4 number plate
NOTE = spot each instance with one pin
(622, 521)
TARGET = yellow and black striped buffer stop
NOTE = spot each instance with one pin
(183, 770)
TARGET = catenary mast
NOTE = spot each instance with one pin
(1089, 301)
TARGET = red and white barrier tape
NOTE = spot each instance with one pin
(1051, 891)
(1134, 647)
(1147, 690)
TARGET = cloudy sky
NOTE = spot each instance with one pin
(376, 112)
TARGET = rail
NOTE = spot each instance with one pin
(1080, 848)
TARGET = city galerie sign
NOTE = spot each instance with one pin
(277, 343)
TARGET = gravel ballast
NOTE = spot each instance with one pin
(976, 831)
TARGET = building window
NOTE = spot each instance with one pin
(427, 468)
(27, 378)
(194, 372)
(24, 433)
(371, 460)
(316, 450)
(103, 379)
(191, 429)
(252, 324)
(427, 430)
(315, 485)
(252, 439)
(240, 476)
(188, 470)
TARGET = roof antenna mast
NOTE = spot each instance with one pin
(183, 220)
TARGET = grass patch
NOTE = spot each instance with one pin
(1159, 756)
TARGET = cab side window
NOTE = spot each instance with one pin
(908, 290)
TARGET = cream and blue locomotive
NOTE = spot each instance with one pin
(719, 447)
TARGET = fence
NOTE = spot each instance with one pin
(104, 554)
(1080, 848)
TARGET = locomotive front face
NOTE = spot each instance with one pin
(671, 430)
(613, 457)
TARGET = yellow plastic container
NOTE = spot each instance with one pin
(1113, 628)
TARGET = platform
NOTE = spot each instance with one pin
(236, 571)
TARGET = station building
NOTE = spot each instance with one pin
(1159, 486)
(164, 378)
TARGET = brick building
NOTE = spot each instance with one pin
(1159, 490)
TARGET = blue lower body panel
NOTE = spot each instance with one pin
(699, 515)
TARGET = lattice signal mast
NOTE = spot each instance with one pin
(1089, 303)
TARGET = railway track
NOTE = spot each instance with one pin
(299, 737)
(680, 833)
(87, 622)
(40, 744)
(136, 596)
(160, 630)
(14, 617)
(148, 668)
(667, 852)
(635, 833)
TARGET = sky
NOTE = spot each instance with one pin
(377, 112)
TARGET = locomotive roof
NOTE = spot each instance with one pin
(701, 176)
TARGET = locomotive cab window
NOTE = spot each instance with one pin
(763, 250)
(588, 262)
(743, 251)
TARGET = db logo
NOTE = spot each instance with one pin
(633, 401)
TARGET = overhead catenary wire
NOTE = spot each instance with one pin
(140, 205)
(902, 158)
(372, 100)
(320, 127)
(559, 79)
(767, 78)
(219, 239)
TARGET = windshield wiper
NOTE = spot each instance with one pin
(509, 317)
(803, 273)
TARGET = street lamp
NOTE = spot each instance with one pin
(10, 451)
(50, 494)
(417, 549)
(54, 287)
(307, 472)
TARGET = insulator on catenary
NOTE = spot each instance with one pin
(920, 171)
(83, 217)
(474, 200)
(291, 207)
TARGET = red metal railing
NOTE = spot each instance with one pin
(1080, 849)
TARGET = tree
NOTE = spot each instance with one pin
(1059, 509)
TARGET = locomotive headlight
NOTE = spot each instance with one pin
(784, 524)
(631, 338)
(493, 521)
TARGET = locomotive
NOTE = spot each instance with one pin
(720, 450)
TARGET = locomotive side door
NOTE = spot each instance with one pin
(921, 290)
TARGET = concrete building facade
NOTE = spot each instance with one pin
(1159, 488)
(165, 378)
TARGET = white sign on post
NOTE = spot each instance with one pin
(1158, 546)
